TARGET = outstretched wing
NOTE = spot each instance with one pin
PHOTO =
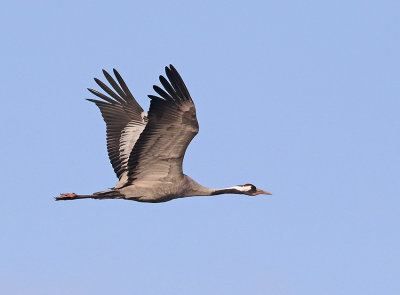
(125, 121)
(159, 151)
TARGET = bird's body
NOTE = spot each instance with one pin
(147, 151)
(161, 191)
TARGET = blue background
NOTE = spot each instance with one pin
(300, 98)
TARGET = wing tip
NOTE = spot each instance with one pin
(154, 97)
(92, 100)
(105, 73)
(92, 90)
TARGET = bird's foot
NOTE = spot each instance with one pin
(67, 196)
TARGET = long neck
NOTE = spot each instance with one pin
(195, 189)
(205, 191)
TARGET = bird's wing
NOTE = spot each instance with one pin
(159, 151)
(125, 120)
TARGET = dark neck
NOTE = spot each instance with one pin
(225, 191)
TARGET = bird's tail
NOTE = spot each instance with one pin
(108, 194)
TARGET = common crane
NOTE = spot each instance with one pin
(146, 151)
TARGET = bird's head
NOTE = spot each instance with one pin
(251, 190)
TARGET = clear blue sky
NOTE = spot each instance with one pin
(301, 98)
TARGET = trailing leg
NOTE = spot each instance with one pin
(108, 194)
(72, 196)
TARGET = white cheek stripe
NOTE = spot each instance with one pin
(242, 188)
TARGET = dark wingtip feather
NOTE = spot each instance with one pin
(173, 69)
(179, 80)
(154, 97)
(101, 95)
(115, 85)
(97, 102)
(162, 93)
(123, 84)
(169, 88)
(108, 90)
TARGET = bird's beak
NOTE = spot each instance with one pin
(261, 192)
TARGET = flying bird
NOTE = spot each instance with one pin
(146, 151)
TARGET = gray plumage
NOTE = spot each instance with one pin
(147, 152)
